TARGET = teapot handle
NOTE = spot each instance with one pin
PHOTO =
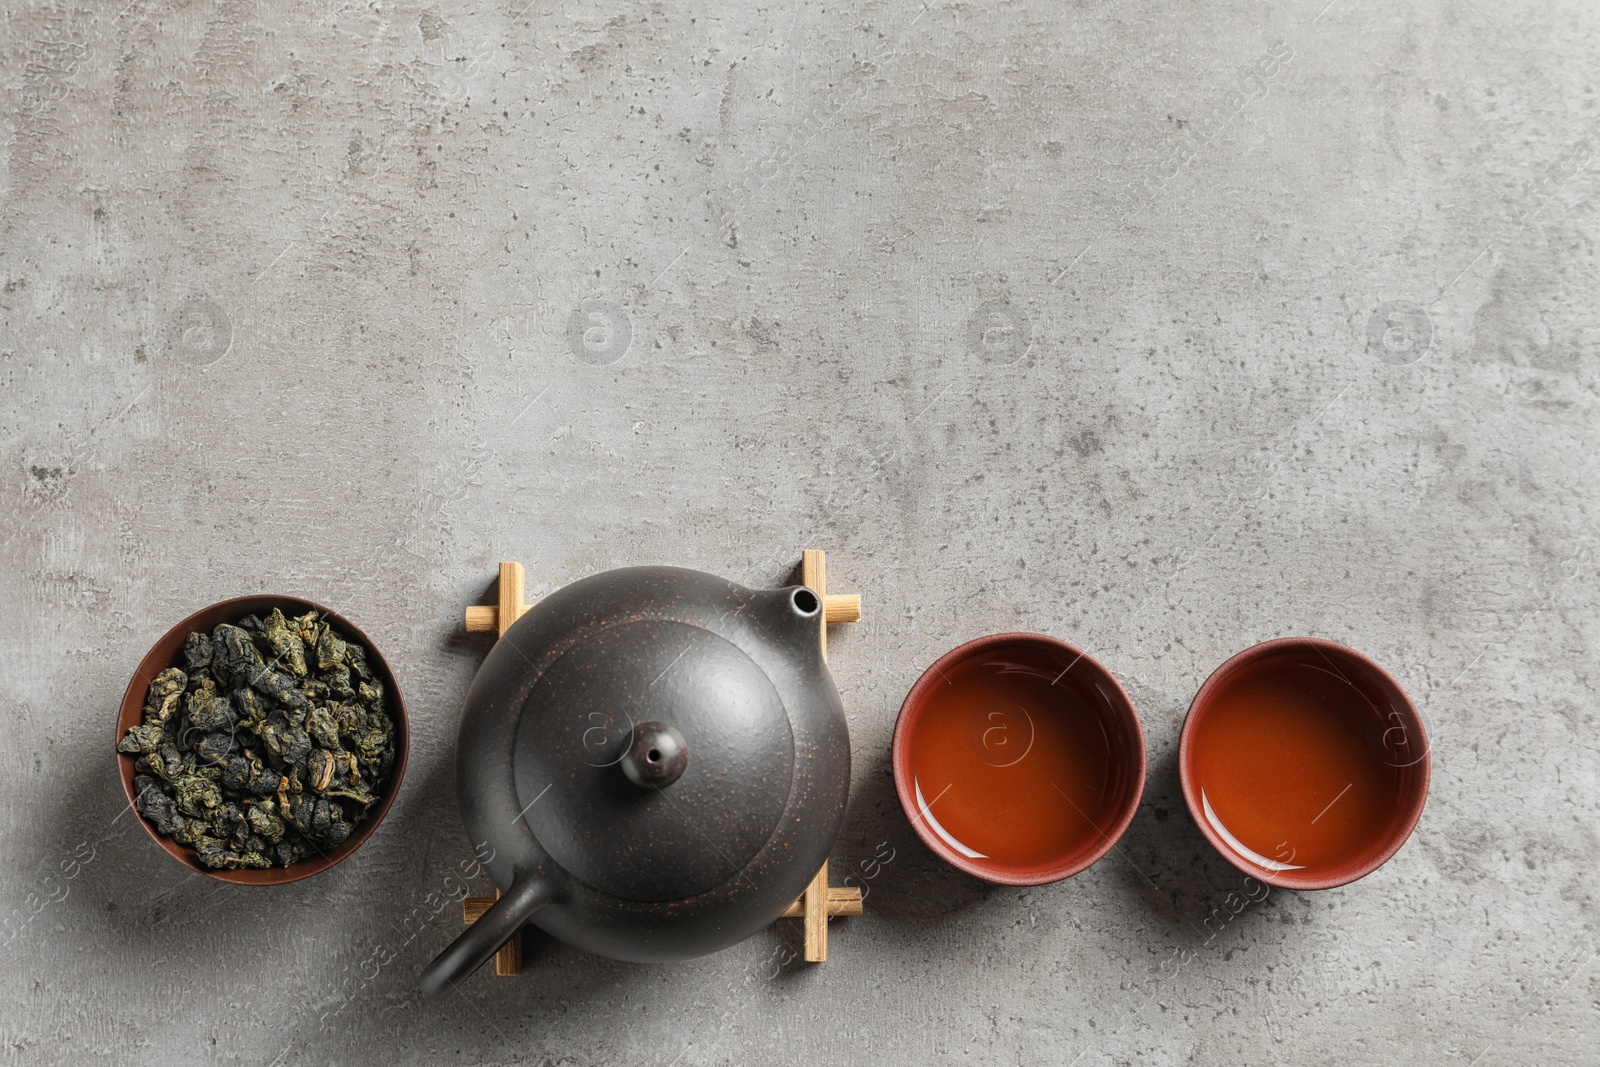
(529, 892)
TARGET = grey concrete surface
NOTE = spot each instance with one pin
(1164, 329)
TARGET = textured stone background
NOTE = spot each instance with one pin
(1034, 315)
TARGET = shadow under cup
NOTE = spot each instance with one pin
(1018, 759)
(1304, 763)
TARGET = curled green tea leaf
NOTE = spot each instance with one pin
(196, 796)
(165, 693)
(140, 739)
(286, 644)
(197, 651)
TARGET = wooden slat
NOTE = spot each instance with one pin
(842, 900)
(837, 608)
(510, 608)
(814, 575)
(480, 619)
(508, 960)
(842, 607)
(816, 900)
(485, 618)
(498, 619)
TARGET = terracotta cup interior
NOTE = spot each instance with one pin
(1397, 739)
(1081, 687)
(167, 653)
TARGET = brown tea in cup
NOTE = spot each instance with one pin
(1304, 763)
(1018, 759)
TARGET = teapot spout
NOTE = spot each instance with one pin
(804, 601)
(478, 944)
(798, 610)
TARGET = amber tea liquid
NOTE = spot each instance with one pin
(1017, 761)
(1298, 769)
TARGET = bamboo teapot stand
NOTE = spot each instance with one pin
(819, 902)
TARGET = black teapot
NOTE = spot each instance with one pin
(652, 764)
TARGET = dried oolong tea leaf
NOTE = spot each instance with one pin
(253, 708)
(286, 644)
(331, 651)
(214, 749)
(141, 739)
(321, 763)
(234, 658)
(356, 657)
(288, 745)
(156, 806)
(322, 728)
(269, 746)
(264, 820)
(197, 796)
(166, 762)
(215, 854)
(197, 651)
(207, 711)
(278, 686)
(165, 692)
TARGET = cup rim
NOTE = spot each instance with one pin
(913, 707)
(131, 713)
(1414, 804)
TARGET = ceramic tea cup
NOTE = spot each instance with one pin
(1018, 759)
(1304, 763)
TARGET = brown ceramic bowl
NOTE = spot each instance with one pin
(1304, 763)
(167, 653)
(1018, 759)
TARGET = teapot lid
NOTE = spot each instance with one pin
(655, 758)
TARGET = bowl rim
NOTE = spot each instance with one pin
(912, 708)
(131, 713)
(1198, 708)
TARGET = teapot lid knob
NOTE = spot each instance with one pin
(656, 756)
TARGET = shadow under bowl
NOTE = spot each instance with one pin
(1304, 763)
(1018, 759)
(167, 653)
